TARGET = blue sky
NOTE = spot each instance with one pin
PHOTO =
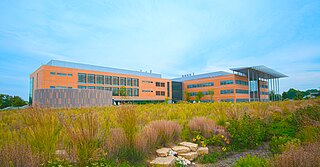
(166, 36)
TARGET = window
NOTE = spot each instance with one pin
(108, 80)
(82, 87)
(91, 78)
(240, 91)
(82, 78)
(129, 91)
(242, 100)
(115, 91)
(200, 85)
(195, 93)
(99, 79)
(228, 91)
(264, 86)
(70, 75)
(239, 82)
(147, 81)
(122, 81)
(147, 91)
(52, 73)
(123, 91)
(61, 74)
(135, 92)
(227, 100)
(69, 87)
(160, 93)
(90, 87)
(52, 87)
(61, 87)
(100, 87)
(226, 82)
(129, 81)
(160, 84)
(115, 80)
(108, 88)
(168, 88)
(135, 82)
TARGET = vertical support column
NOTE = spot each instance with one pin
(249, 85)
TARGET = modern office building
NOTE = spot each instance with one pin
(244, 84)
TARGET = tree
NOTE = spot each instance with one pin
(199, 95)
(211, 93)
(17, 101)
(187, 96)
(123, 92)
(7, 101)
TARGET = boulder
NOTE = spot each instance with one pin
(192, 146)
(190, 155)
(181, 149)
(163, 161)
(203, 150)
(163, 152)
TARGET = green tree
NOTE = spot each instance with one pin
(123, 92)
(187, 96)
(17, 101)
(5, 101)
(211, 93)
(199, 95)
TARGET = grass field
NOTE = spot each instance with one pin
(128, 135)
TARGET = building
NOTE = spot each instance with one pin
(244, 84)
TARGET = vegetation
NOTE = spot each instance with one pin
(250, 161)
(298, 95)
(7, 101)
(129, 134)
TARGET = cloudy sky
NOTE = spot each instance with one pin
(170, 37)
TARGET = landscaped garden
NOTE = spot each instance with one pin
(283, 133)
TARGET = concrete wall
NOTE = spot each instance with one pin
(69, 98)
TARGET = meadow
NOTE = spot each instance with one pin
(128, 135)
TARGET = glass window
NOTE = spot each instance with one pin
(52, 73)
(226, 82)
(200, 85)
(129, 81)
(91, 78)
(239, 82)
(69, 87)
(129, 91)
(108, 80)
(82, 87)
(158, 84)
(61, 87)
(69, 75)
(122, 81)
(90, 87)
(163, 93)
(147, 81)
(99, 79)
(135, 82)
(158, 93)
(115, 80)
(82, 78)
(228, 91)
(100, 87)
(115, 91)
(108, 88)
(135, 92)
(52, 87)
(123, 91)
(61, 74)
(147, 91)
(162, 84)
(240, 91)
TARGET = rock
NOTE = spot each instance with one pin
(163, 161)
(163, 152)
(190, 155)
(181, 149)
(203, 150)
(192, 146)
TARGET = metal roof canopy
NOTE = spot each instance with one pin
(263, 72)
(200, 76)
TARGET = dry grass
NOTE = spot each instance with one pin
(305, 156)
(205, 126)
(158, 133)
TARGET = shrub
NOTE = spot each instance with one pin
(246, 132)
(280, 126)
(308, 116)
(209, 158)
(250, 161)
(206, 127)
(307, 156)
(158, 133)
(309, 134)
(281, 143)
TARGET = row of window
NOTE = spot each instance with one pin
(241, 91)
(228, 91)
(107, 80)
(160, 84)
(200, 85)
(60, 74)
(239, 82)
(149, 82)
(147, 90)
(264, 86)
(195, 93)
(115, 91)
(60, 87)
(226, 82)
(160, 93)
